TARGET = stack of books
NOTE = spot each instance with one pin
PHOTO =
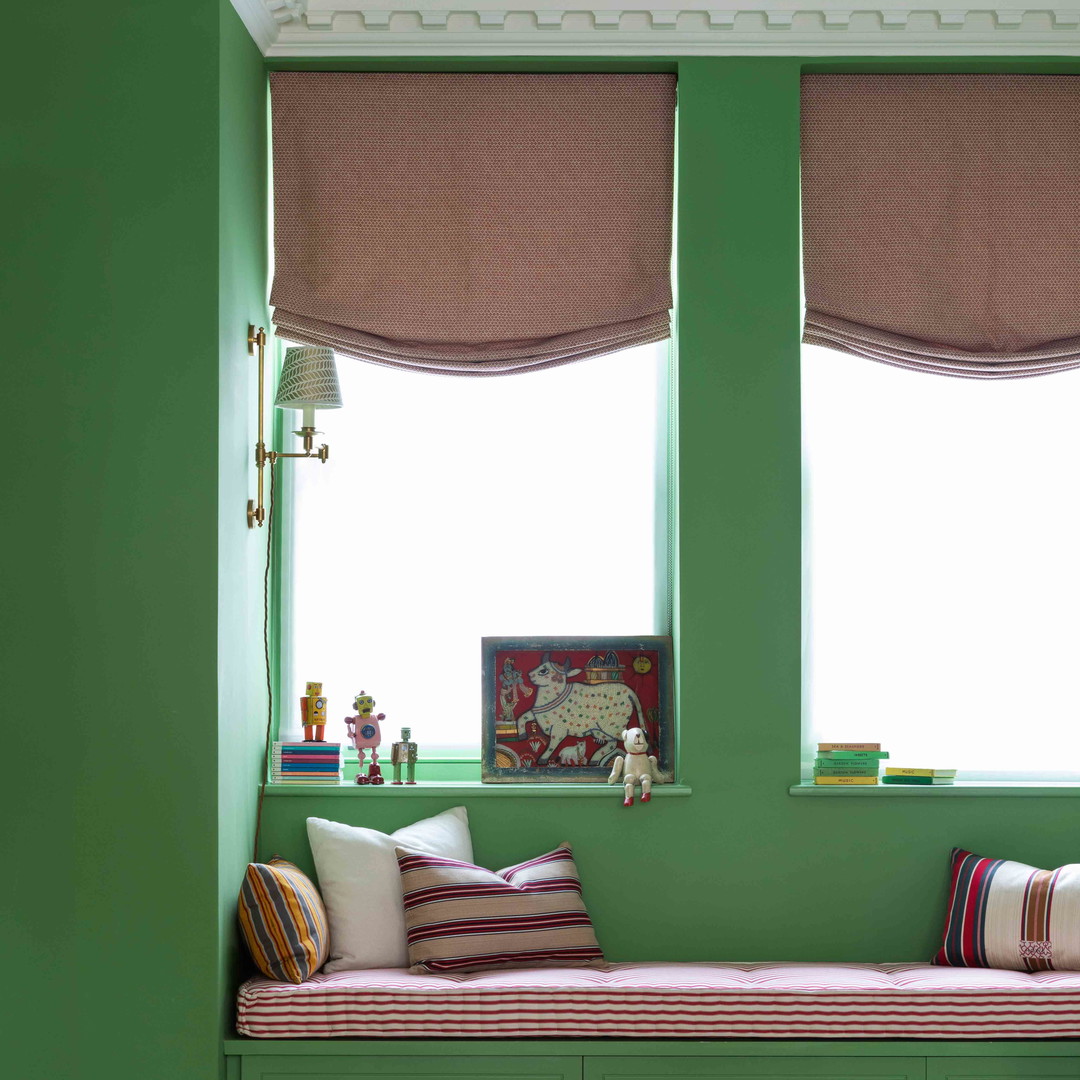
(919, 776)
(848, 763)
(306, 763)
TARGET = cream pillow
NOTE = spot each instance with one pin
(361, 886)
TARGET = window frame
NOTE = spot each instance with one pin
(446, 761)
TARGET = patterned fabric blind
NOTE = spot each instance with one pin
(472, 224)
(941, 229)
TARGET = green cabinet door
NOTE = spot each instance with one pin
(1004, 1068)
(756, 1068)
(269, 1067)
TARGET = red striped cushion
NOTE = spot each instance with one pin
(671, 1001)
(1009, 915)
(461, 917)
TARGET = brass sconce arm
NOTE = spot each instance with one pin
(256, 511)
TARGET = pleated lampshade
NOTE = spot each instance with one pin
(308, 379)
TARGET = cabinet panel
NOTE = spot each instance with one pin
(269, 1067)
(756, 1068)
(1004, 1068)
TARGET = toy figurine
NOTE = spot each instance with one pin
(638, 767)
(313, 713)
(404, 753)
(364, 734)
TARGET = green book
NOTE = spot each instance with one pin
(853, 755)
(849, 770)
(837, 763)
(913, 780)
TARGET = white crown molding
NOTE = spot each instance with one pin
(308, 28)
(261, 25)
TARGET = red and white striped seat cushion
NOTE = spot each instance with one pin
(663, 1001)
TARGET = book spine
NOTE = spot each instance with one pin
(849, 746)
(845, 772)
(893, 771)
(317, 758)
(916, 780)
(311, 782)
(845, 779)
(837, 763)
(305, 776)
(291, 778)
(306, 771)
(853, 755)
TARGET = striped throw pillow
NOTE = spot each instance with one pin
(1010, 915)
(283, 920)
(460, 917)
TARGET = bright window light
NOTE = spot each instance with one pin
(942, 531)
(457, 508)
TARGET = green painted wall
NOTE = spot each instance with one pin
(135, 177)
(109, 153)
(740, 871)
(241, 551)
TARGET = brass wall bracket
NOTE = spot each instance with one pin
(256, 512)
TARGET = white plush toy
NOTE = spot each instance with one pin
(638, 767)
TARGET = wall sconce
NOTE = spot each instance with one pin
(308, 381)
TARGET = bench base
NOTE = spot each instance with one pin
(457, 1059)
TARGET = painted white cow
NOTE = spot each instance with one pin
(564, 708)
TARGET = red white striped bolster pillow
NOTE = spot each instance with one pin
(1010, 915)
(461, 917)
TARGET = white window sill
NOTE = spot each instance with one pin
(961, 789)
(470, 788)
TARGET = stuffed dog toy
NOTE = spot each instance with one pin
(638, 767)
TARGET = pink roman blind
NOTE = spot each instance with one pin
(472, 224)
(941, 220)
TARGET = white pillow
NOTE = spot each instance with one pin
(361, 885)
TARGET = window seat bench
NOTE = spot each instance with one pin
(804, 1001)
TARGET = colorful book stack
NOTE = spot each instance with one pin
(306, 763)
(919, 776)
(848, 763)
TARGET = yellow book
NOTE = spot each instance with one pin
(894, 771)
(845, 779)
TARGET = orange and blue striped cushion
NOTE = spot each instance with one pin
(283, 920)
(461, 917)
(1011, 915)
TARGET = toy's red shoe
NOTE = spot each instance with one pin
(628, 801)
(647, 797)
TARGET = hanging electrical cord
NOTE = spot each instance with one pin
(266, 654)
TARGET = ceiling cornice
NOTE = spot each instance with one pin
(261, 25)
(310, 28)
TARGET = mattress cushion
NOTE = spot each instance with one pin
(663, 1001)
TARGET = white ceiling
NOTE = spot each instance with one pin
(303, 28)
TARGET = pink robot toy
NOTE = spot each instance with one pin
(365, 734)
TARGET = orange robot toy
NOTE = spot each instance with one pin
(313, 713)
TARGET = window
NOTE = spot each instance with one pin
(942, 527)
(454, 508)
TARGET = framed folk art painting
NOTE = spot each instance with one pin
(554, 708)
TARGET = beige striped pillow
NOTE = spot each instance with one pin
(461, 917)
